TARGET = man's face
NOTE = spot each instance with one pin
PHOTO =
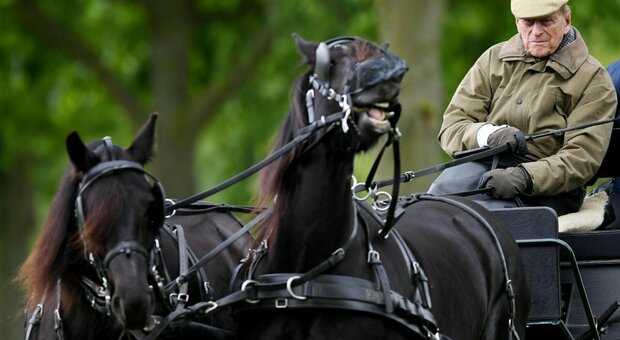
(542, 36)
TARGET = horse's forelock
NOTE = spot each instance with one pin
(99, 220)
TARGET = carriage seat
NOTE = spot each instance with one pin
(597, 245)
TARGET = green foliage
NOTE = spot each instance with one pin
(598, 23)
(242, 132)
(470, 27)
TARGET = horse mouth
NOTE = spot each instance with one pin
(375, 118)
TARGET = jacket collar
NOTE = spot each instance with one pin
(566, 61)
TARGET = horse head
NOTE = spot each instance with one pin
(119, 209)
(356, 77)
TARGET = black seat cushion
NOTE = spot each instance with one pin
(594, 245)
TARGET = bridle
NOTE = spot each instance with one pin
(99, 292)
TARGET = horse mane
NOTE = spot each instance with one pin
(58, 245)
(272, 177)
(48, 260)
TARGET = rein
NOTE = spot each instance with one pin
(474, 155)
(302, 136)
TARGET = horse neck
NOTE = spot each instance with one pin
(79, 320)
(316, 214)
(86, 323)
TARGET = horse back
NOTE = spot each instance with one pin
(460, 246)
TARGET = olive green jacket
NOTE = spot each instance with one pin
(508, 86)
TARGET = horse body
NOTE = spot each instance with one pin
(464, 268)
(316, 217)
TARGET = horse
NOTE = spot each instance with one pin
(321, 267)
(106, 253)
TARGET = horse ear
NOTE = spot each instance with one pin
(81, 157)
(143, 146)
(385, 46)
(306, 48)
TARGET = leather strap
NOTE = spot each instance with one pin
(181, 297)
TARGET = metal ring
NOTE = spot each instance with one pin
(289, 288)
(168, 200)
(354, 180)
(374, 203)
(244, 285)
(355, 195)
(212, 306)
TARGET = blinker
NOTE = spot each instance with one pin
(375, 70)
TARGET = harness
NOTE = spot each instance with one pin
(31, 324)
(315, 289)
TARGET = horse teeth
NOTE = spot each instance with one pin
(382, 105)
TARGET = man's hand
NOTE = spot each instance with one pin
(506, 183)
(510, 135)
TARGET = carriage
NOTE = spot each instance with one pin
(369, 268)
(573, 276)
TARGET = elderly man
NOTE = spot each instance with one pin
(541, 79)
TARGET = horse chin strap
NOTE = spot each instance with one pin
(371, 187)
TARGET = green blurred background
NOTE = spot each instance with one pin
(218, 73)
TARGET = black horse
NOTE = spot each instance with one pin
(103, 262)
(322, 271)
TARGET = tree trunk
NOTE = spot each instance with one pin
(171, 30)
(16, 210)
(413, 29)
